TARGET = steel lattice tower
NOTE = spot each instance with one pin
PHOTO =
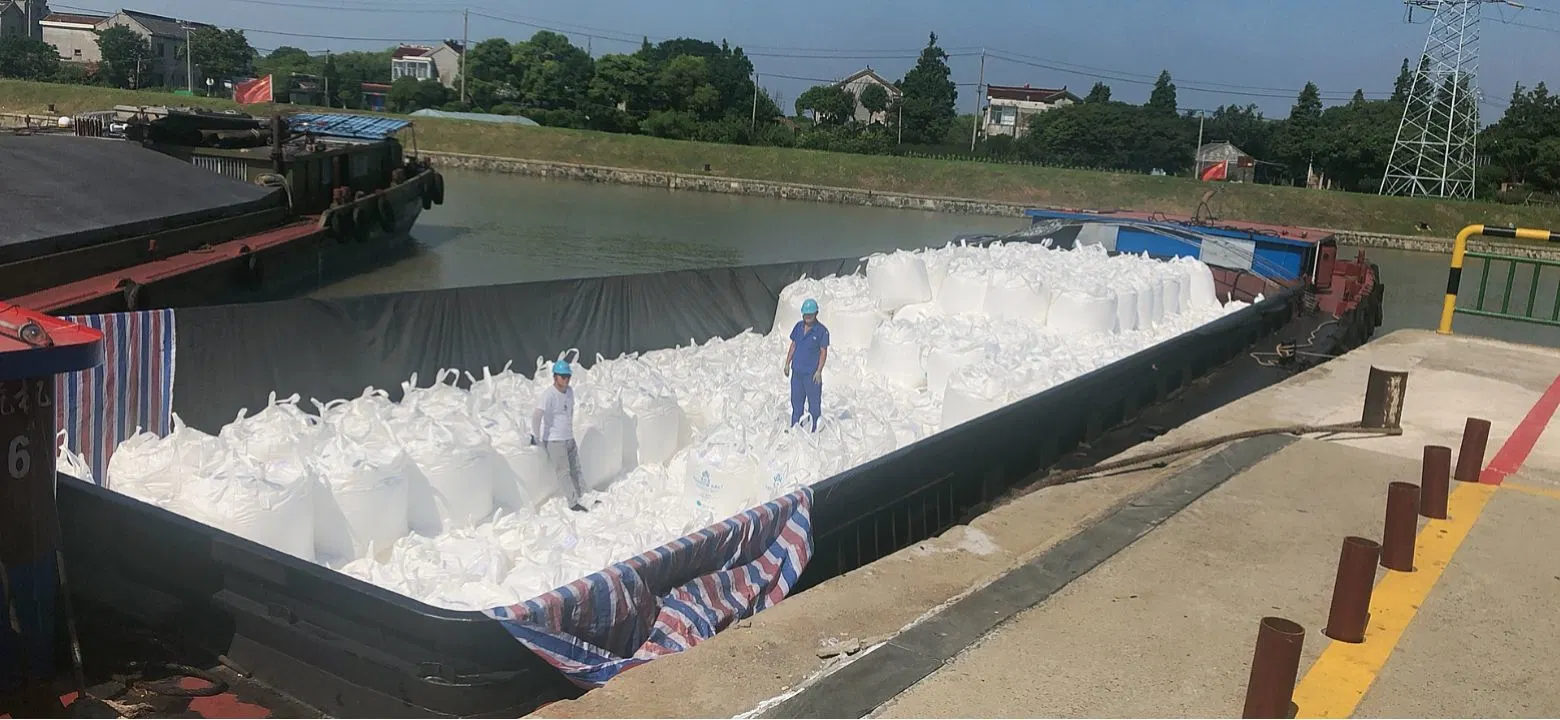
(1434, 155)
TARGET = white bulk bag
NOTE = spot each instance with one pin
(1126, 308)
(441, 400)
(68, 461)
(896, 355)
(543, 377)
(1170, 293)
(851, 324)
(366, 504)
(600, 432)
(1151, 303)
(1077, 313)
(241, 498)
(944, 362)
(976, 391)
(658, 428)
(281, 429)
(146, 468)
(459, 467)
(1011, 296)
(898, 279)
(963, 291)
(1204, 292)
(722, 479)
(530, 481)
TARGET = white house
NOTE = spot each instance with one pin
(860, 81)
(166, 36)
(73, 35)
(1008, 109)
(441, 63)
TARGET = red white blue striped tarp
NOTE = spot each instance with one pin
(670, 598)
(133, 388)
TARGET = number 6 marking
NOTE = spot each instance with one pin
(17, 459)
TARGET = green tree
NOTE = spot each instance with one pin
(1300, 138)
(550, 72)
(1100, 93)
(1162, 100)
(928, 97)
(1403, 84)
(1243, 127)
(874, 98)
(408, 94)
(682, 84)
(286, 60)
(355, 68)
(829, 104)
(126, 57)
(28, 59)
(623, 81)
(220, 54)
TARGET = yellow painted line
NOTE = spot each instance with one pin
(1337, 681)
(1533, 490)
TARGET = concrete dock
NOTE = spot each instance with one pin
(1139, 594)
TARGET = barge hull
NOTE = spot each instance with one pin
(349, 648)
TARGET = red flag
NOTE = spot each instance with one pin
(1215, 171)
(253, 91)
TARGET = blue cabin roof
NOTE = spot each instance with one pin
(361, 127)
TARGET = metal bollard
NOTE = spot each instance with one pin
(1356, 580)
(1402, 524)
(1470, 458)
(1274, 668)
(1384, 392)
(1434, 481)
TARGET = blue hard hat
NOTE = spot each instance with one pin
(809, 306)
(562, 368)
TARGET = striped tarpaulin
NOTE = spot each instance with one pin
(647, 607)
(133, 388)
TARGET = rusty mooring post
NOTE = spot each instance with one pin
(1434, 481)
(1470, 458)
(1274, 668)
(1351, 591)
(1397, 538)
(1384, 398)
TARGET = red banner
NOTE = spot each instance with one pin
(1215, 171)
(253, 91)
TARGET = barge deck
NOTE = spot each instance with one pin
(1006, 616)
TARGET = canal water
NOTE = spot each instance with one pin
(499, 228)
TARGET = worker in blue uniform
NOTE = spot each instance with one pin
(804, 363)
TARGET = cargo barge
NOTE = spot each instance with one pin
(347, 648)
(147, 208)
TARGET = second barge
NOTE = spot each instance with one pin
(166, 207)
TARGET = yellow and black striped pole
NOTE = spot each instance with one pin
(1460, 251)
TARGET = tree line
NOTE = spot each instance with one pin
(691, 89)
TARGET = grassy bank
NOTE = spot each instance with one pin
(1003, 183)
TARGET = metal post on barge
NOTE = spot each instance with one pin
(34, 348)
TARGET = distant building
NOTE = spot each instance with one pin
(167, 37)
(441, 63)
(21, 18)
(73, 35)
(860, 81)
(374, 95)
(1008, 109)
(1224, 161)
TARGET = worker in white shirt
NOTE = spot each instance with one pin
(553, 425)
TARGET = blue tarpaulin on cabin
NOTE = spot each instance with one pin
(362, 127)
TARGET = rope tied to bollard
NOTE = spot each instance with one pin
(1156, 457)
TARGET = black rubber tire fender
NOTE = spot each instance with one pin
(340, 225)
(386, 212)
(438, 187)
(362, 221)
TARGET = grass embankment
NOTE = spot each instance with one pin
(1038, 186)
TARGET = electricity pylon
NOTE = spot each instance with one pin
(1435, 152)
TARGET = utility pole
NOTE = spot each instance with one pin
(901, 123)
(326, 77)
(754, 129)
(189, 62)
(1197, 154)
(465, 47)
(975, 124)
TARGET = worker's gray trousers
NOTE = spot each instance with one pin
(565, 458)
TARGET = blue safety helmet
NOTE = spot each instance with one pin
(562, 368)
(809, 307)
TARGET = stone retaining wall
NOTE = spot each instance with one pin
(899, 201)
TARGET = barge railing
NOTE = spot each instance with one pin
(1530, 312)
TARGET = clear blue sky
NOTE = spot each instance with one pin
(1268, 46)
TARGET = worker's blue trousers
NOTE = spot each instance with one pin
(805, 392)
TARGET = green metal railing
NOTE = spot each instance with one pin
(1532, 312)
